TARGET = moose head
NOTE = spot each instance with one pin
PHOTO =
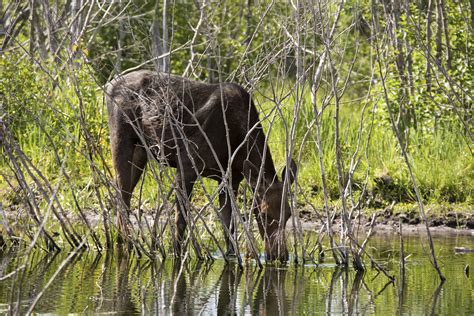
(273, 209)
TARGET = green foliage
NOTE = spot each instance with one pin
(51, 108)
(445, 100)
(48, 119)
(379, 154)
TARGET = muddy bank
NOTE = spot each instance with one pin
(387, 222)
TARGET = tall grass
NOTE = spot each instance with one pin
(47, 129)
(442, 162)
(43, 115)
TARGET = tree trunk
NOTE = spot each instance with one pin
(248, 17)
(13, 28)
(76, 25)
(439, 32)
(75, 30)
(166, 44)
(50, 16)
(408, 52)
(158, 39)
(40, 36)
(428, 46)
(444, 19)
(33, 18)
(121, 35)
(472, 16)
(400, 58)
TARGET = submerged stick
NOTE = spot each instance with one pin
(358, 255)
(402, 251)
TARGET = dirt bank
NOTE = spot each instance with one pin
(387, 222)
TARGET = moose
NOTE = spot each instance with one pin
(202, 130)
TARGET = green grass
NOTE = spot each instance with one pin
(441, 161)
(45, 124)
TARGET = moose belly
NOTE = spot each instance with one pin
(187, 150)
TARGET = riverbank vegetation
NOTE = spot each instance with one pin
(373, 99)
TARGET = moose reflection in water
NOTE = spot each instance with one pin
(237, 291)
(202, 130)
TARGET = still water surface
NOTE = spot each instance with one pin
(115, 284)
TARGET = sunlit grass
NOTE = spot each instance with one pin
(441, 161)
(48, 131)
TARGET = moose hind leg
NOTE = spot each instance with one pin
(138, 165)
(122, 157)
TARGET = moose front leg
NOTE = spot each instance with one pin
(184, 188)
(226, 215)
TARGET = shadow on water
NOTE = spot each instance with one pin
(117, 283)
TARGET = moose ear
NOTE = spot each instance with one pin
(292, 172)
(251, 173)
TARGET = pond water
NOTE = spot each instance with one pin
(117, 284)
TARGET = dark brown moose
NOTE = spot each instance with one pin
(201, 130)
